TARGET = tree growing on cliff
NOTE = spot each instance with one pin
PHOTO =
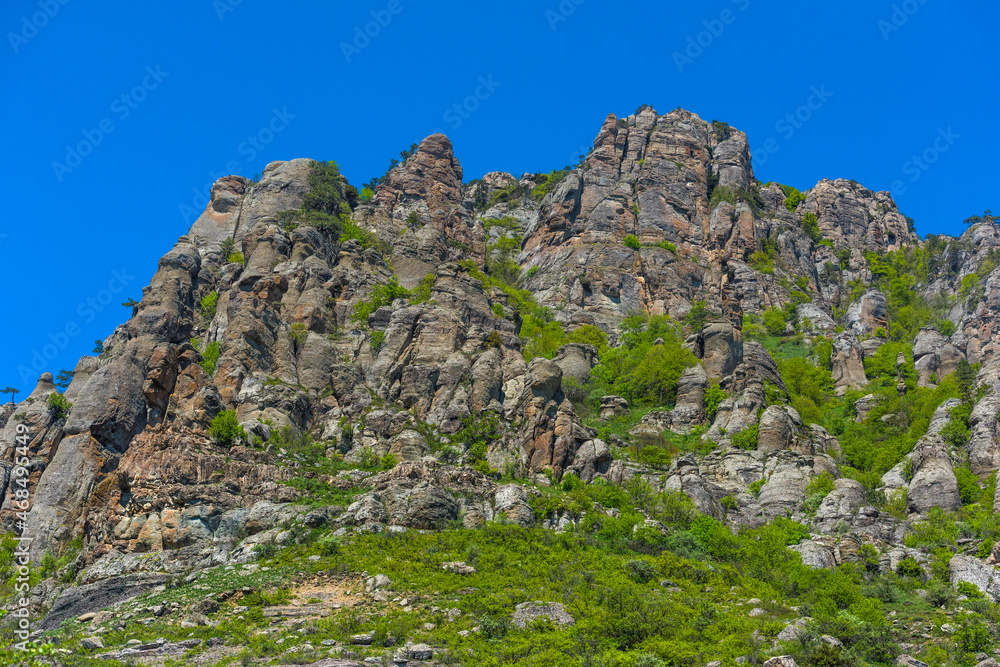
(986, 217)
(11, 391)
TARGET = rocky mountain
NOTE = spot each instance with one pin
(651, 333)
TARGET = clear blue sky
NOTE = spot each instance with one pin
(199, 78)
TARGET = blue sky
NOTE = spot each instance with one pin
(120, 115)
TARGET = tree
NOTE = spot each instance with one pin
(98, 347)
(228, 247)
(63, 378)
(986, 217)
(226, 428)
(11, 391)
(698, 316)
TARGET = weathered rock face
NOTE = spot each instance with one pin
(437, 382)
(855, 217)
(934, 357)
(868, 314)
(934, 483)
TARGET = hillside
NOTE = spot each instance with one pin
(644, 410)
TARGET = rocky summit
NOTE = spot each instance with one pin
(644, 410)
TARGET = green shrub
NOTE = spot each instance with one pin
(422, 292)
(644, 373)
(226, 428)
(968, 486)
(909, 567)
(762, 262)
(969, 590)
(810, 225)
(210, 357)
(714, 396)
(793, 198)
(774, 321)
(208, 305)
(549, 183)
(720, 194)
(376, 341)
(381, 295)
(632, 241)
(59, 407)
(747, 438)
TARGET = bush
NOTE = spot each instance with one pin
(747, 438)
(208, 305)
(640, 371)
(810, 225)
(774, 321)
(422, 292)
(210, 357)
(909, 567)
(226, 429)
(762, 262)
(376, 341)
(381, 295)
(59, 407)
(713, 398)
(632, 241)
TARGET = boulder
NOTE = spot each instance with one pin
(576, 361)
(974, 571)
(934, 483)
(868, 314)
(528, 612)
(722, 349)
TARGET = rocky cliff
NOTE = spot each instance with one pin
(383, 366)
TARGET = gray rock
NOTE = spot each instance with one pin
(90, 643)
(528, 612)
(934, 483)
(99, 595)
(972, 570)
(576, 361)
(869, 313)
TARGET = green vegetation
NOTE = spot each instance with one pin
(208, 305)
(632, 241)
(12, 391)
(747, 438)
(987, 218)
(59, 407)
(381, 295)
(810, 225)
(549, 182)
(327, 204)
(422, 292)
(375, 181)
(209, 356)
(376, 341)
(792, 197)
(226, 428)
(643, 372)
